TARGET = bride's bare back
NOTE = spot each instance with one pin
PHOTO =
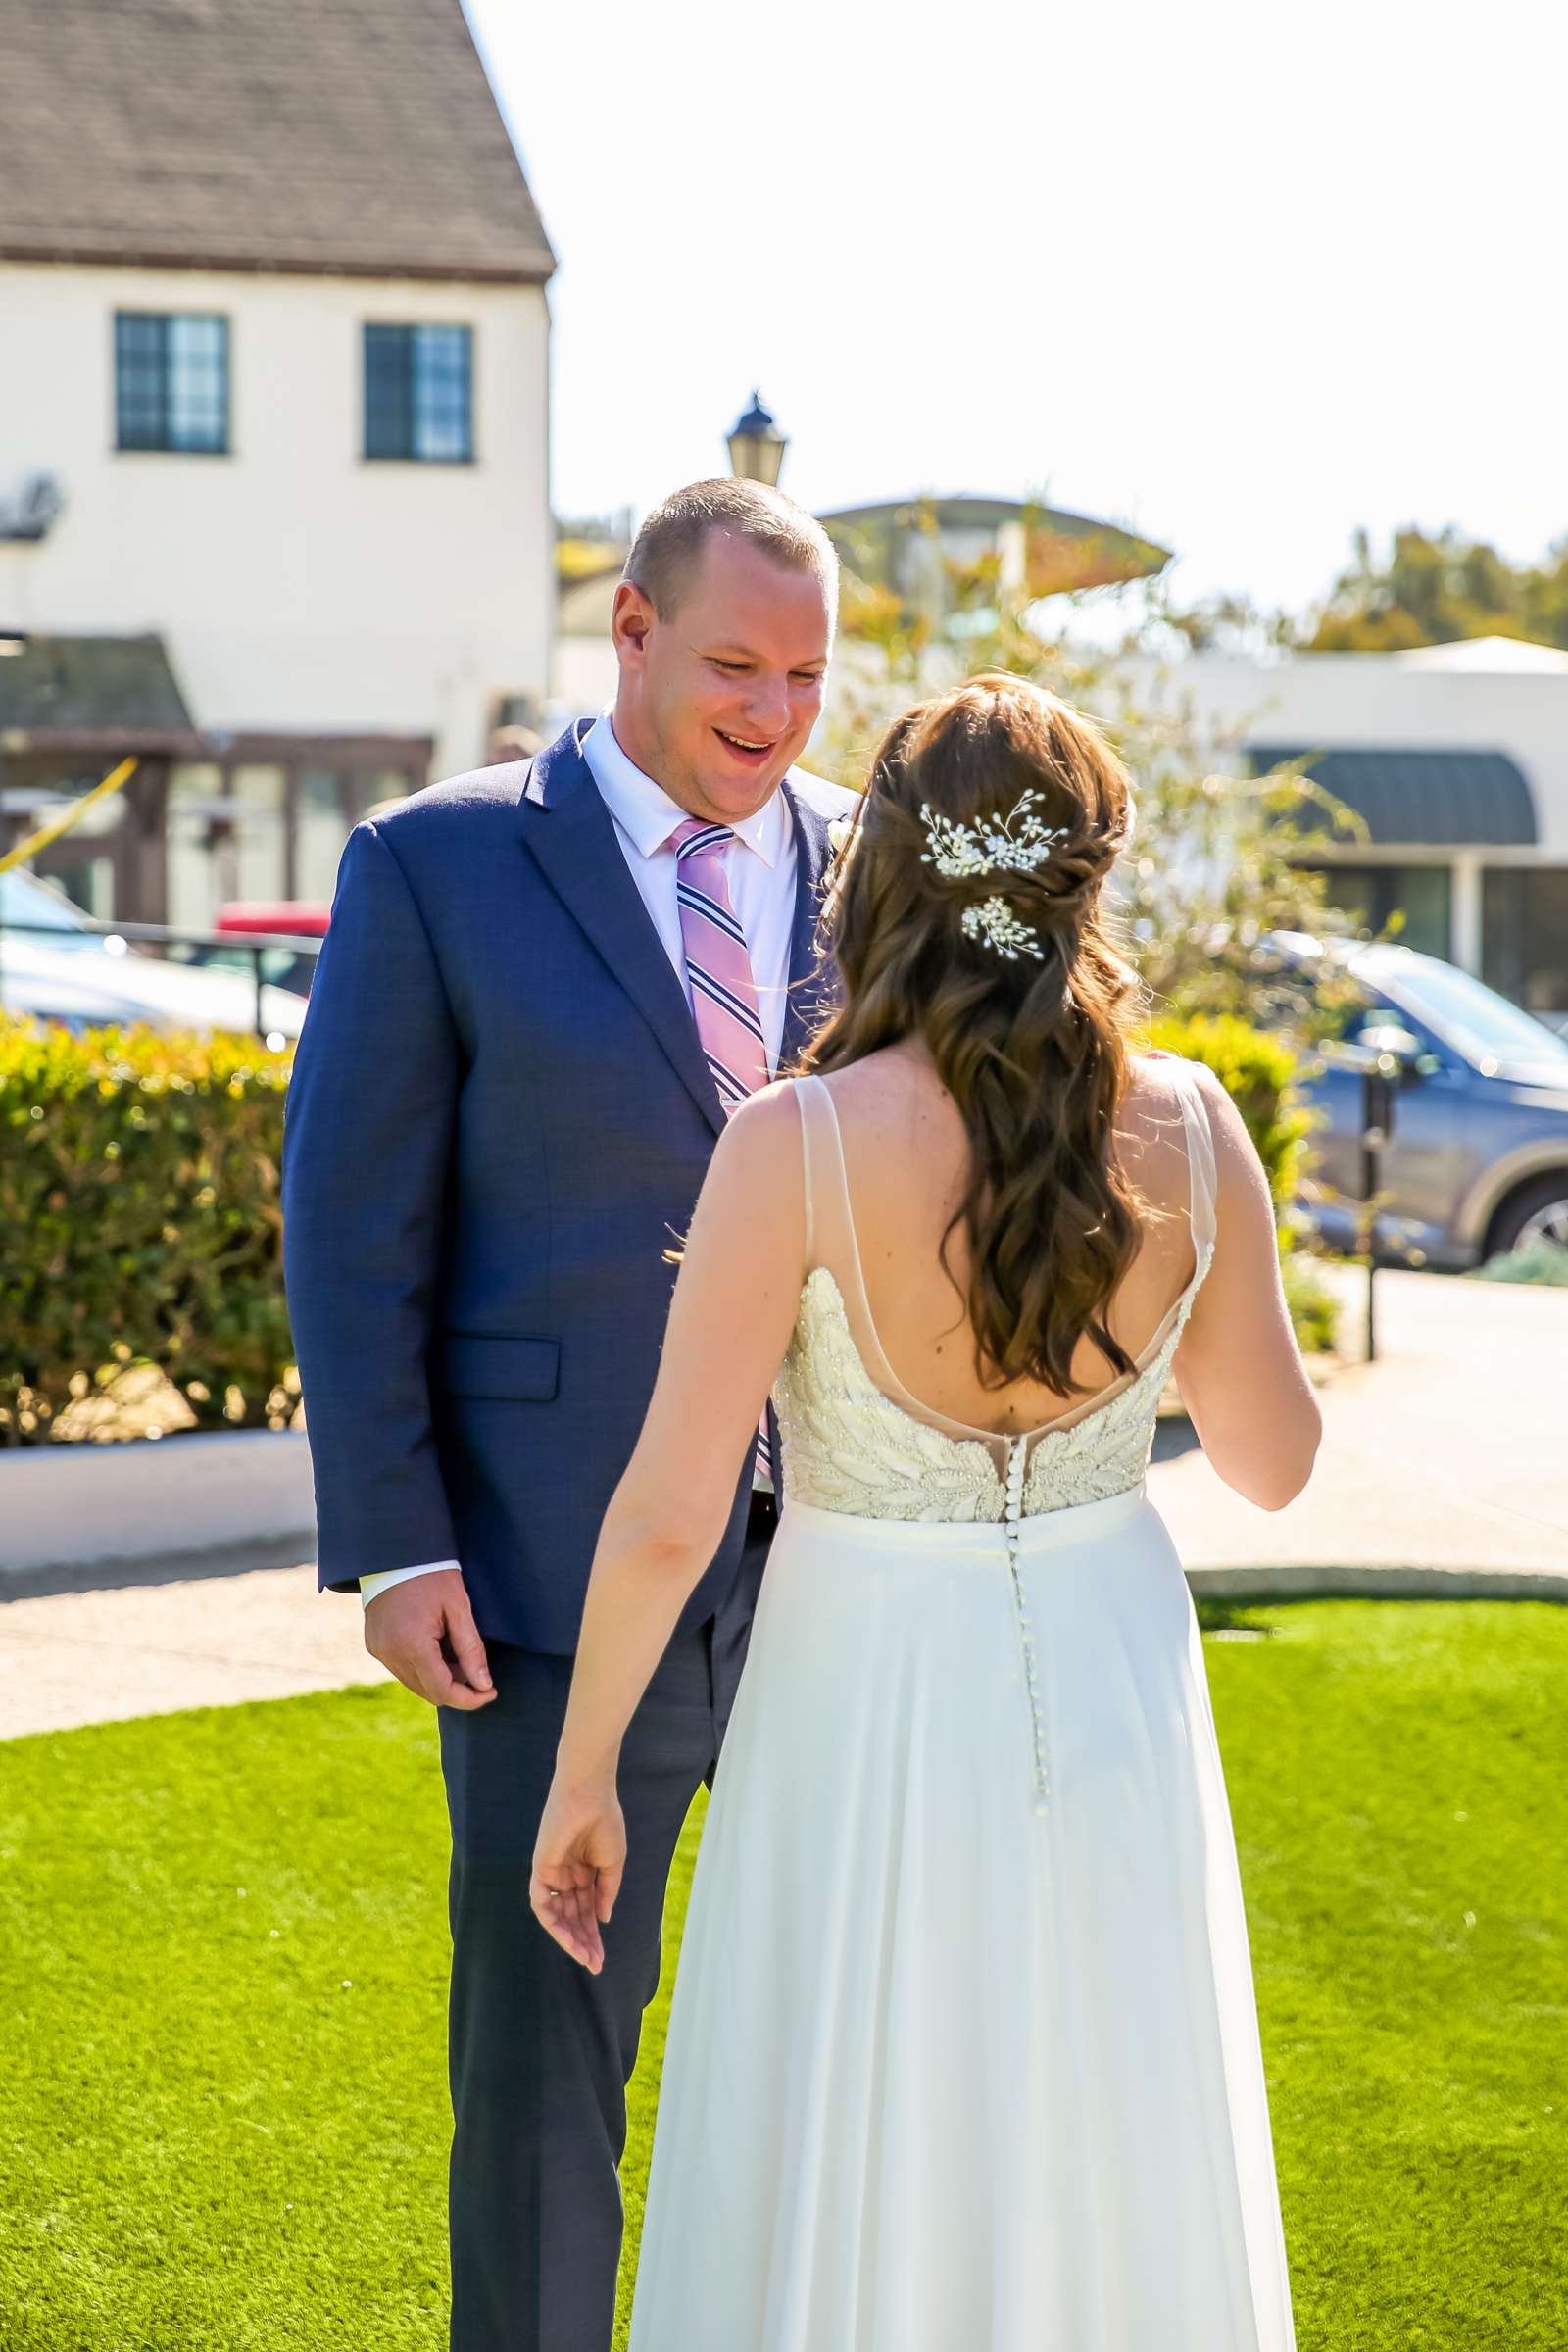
(751, 1250)
(907, 1163)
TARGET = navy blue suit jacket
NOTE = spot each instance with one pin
(499, 1120)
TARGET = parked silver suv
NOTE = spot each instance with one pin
(1477, 1160)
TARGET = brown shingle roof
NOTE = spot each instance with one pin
(356, 136)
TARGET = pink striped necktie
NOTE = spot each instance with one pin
(718, 968)
(720, 981)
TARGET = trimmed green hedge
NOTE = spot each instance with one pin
(139, 1205)
(1256, 1068)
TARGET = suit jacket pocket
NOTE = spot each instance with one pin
(466, 1364)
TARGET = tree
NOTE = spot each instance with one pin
(1428, 590)
(1216, 865)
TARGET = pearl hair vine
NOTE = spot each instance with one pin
(990, 845)
(994, 922)
(1015, 843)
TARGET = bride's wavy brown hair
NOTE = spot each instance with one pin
(1032, 1051)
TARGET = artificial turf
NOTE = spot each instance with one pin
(222, 1958)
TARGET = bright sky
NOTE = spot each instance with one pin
(1237, 273)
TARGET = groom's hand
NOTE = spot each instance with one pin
(424, 1631)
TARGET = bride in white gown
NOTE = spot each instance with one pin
(963, 2053)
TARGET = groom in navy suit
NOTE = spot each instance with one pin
(503, 1105)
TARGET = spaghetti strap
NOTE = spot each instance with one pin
(1202, 1182)
(829, 1232)
(796, 1086)
(1202, 1178)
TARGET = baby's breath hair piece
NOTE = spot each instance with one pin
(994, 921)
(1013, 844)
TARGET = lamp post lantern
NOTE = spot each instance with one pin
(756, 446)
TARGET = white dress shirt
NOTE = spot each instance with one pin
(760, 866)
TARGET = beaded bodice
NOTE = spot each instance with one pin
(850, 1445)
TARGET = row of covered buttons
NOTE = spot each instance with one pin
(1026, 1642)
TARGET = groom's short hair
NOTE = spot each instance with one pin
(669, 546)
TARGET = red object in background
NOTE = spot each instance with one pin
(304, 918)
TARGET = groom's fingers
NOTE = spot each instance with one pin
(444, 1688)
(404, 1628)
(468, 1645)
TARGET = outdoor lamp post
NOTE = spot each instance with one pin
(756, 446)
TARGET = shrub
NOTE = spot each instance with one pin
(139, 1204)
(1256, 1068)
(1538, 1262)
(1314, 1307)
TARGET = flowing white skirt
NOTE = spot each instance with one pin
(947, 2073)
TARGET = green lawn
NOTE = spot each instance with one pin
(223, 1953)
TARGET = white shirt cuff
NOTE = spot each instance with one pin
(370, 1586)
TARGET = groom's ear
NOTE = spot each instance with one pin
(632, 619)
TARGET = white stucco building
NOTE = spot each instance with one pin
(274, 410)
(1453, 757)
(1456, 757)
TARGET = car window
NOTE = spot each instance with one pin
(24, 899)
(1343, 1021)
(1484, 1026)
(279, 966)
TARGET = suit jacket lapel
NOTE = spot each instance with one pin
(573, 840)
(813, 988)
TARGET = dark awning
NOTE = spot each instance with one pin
(1447, 799)
(76, 683)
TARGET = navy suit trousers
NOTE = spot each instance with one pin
(541, 2051)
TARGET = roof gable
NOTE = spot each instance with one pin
(358, 136)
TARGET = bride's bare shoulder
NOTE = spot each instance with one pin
(1153, 1094)
(756, 1177)
(1152, 1110)
(1158, 1080)
(766, 1122)
(1150, 1128)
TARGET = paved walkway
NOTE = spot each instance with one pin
(92, 1658)
(1446, 1459)
(1444, 1467)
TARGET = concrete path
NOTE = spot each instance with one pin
(1445, 1468)
(70, 1659)
(1444, 1464)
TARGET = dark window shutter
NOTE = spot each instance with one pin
(388, 391)
(141, 408)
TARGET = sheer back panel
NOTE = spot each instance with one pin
(852, 1359)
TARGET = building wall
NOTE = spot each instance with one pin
(1372, 699)
(296, 585)
(1495, 910)
(586, 677)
